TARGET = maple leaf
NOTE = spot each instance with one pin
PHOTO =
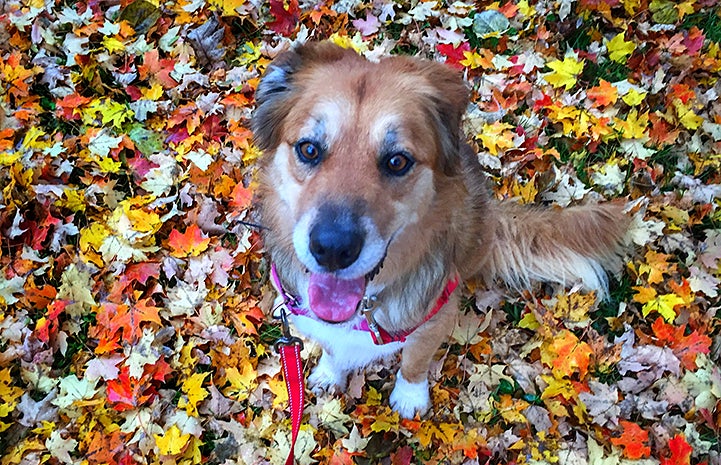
(633, 440)
(619, 49)
(680, 451)
(195, 392)
(564, 72)
(172, 442)
(285, 20)
(566, 354)
(454, 54)
(496, 137)
(685, 346)
(60, 447)
(664, 305)
(191, 243)
(603, 94)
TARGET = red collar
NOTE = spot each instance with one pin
(368, 324)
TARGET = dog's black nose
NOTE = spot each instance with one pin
(336, 240)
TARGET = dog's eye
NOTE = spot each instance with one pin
(397, 163)
(308, 152)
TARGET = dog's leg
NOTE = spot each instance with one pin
(327, 376)
(411, 392)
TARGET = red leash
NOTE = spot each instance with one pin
(289, 348)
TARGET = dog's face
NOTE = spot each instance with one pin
(354, 156)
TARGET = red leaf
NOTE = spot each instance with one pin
(454, 55)
(285, 20)
(402, 456)
(680, 451)
(127, 392)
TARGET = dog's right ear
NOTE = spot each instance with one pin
(274, 89)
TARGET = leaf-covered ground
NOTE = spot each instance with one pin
(133, 293)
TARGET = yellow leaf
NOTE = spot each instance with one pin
(242, 383)
(635, 126)
(574, 307)
(172, 442)
(474, 60)
(529, 322)
(7, 158)
(93, 236)
(496, 136)
(685, 8)
(154, 92)
(140, 219)
(31, 137)
(113, 45)
(664, 306)
(73, 199)
(193, 387)
(373, 397)
(228, 7)
(644, 294)
(558, 387)
(280, 392)
(686, 116)
(386, 420)
(45, 428)
(525, 9)
(631, 6)
(633, 97)
(619, 50)
(657, 264)
(5, 409)
(564, 72)
(108, 165)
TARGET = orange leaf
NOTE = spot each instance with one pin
(685, 347)
(633, 440)
(190, 243)
(566, 354)
(603, 94)
(241, 197)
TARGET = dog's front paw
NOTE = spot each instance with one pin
(410, 398)
(325, 377)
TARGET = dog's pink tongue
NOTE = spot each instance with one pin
(334, 299)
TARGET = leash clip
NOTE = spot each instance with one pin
(368, 308)
(287, 339)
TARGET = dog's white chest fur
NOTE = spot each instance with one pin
(350, 348)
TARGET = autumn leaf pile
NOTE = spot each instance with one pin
(133, 291)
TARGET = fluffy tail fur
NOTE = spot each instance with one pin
(558, 245)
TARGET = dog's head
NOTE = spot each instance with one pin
(354, 154)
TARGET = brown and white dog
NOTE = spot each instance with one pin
(373, 204)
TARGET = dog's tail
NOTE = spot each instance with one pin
(558, 245)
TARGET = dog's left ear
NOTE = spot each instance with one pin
(449, 100)
(278, 87)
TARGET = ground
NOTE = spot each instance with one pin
(134, 302)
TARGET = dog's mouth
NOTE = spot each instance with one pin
(336, 300)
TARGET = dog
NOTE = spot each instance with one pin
(375, 208)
